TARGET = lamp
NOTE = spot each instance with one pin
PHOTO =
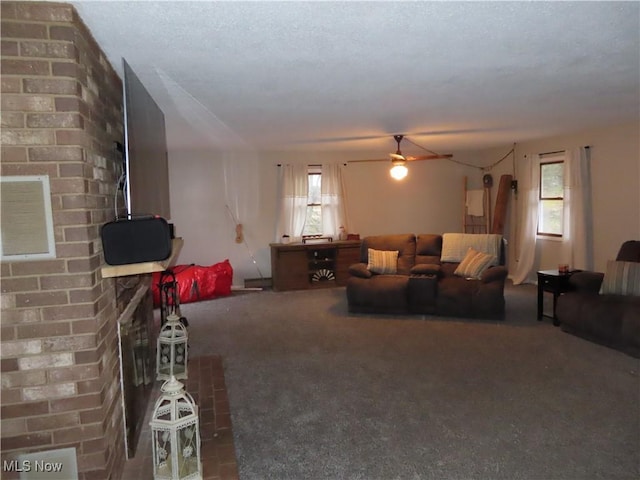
(175, 435)
(171, 358)
(399, 169)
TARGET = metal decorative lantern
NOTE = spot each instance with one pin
(175, 435)
(172, 349)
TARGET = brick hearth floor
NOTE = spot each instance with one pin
(207, 386)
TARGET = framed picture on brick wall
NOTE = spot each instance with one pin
(26, 221)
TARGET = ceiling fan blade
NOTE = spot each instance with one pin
(375, 136)
(407, 158)
(428, 157)
(340, 139)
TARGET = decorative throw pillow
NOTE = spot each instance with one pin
(473, 264)
(621, 278)
(383, 261)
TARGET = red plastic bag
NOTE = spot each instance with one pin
(195, 282)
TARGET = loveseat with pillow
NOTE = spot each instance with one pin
(605, 307)
(452, 274)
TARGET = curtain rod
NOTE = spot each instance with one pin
(551, 153)
(560, 151)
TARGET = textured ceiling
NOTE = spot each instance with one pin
(348, 75)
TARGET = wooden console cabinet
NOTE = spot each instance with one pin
(298, 266)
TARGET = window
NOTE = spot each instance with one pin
(551, 207)
(311, 201)
(313, 221)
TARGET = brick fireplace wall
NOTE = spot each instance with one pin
(61, 113)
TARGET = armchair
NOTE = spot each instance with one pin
(609, 318)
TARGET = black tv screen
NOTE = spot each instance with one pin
(146, 163)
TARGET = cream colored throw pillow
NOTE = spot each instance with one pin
(621, 278)
(473, 264)
(383, 261)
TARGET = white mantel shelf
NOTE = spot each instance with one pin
(110, 271)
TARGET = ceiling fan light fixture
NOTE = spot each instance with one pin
(398, 161)
(399, 169)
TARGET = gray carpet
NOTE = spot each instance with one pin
(317, 393)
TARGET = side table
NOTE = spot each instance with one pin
(556, 283)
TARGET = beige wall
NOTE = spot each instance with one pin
(615, 173)
(430, 199)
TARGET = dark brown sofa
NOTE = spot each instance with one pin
(423, 283)
(607, 319)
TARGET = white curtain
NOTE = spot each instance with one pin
(293, 190)
(577, 236)
(528, 182)
(333, 200)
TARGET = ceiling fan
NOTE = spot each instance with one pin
(398, 160)
(408, 158)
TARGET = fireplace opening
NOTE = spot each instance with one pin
(137, 334)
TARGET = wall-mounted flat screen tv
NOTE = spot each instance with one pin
(146, 163)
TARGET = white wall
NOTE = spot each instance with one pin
(429, 200)
(210, 192)
(615, 173)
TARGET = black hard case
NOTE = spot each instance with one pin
(136, 240)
